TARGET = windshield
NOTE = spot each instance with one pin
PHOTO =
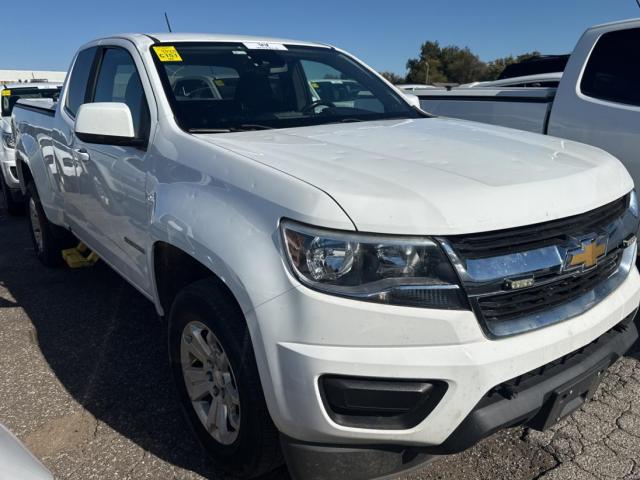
(11, 96)
(229, 87)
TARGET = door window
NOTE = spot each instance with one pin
(118, 81)
(77, 88)
(613, 71)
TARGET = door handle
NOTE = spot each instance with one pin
(81, 154)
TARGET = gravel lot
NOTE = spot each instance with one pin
(84, 382)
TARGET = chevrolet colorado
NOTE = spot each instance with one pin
(596, 102)
(351, 285)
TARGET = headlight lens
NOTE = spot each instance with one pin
(8, 140)
(633, 204)
(410, 271)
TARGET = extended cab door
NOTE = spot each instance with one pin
(598, 101)
(112, 200)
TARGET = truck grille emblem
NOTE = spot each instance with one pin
(587, 255)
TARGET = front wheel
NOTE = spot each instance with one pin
(216, 376)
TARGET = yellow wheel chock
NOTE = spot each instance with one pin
(78, 258)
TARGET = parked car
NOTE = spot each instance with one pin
(364, 285)
(9, 95)
(18, 463)
(597, 101)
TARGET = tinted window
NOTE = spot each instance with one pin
(77, 88)
(613, 71)
(118, 81)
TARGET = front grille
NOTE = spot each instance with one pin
(506, 306)
(531, 237)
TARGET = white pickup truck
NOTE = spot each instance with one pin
(9, 96)
(355, 285)
(597, 101)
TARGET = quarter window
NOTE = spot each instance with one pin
(77, 89)
(613, 71)
(118, 81)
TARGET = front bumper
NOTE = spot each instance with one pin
(302, 335)
(530, 400)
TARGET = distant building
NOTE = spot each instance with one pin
(18, 76)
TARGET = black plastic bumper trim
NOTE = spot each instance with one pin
(387, 404)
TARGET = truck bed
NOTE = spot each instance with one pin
(521, 108)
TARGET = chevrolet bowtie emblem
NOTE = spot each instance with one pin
(588, 254)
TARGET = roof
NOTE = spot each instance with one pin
(212, 37)
(629, 21)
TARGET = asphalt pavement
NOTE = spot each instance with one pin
(85, 384)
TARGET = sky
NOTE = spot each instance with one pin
(44, 35)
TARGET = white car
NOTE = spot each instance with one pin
(363, 285)
(9, 95)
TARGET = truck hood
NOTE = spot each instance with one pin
(439, 176)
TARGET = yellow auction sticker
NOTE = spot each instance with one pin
(167, 54)
(6, 93)
(219, 82)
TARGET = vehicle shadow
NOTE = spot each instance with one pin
(106, 346)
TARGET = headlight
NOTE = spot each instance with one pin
(8, 140)
(410, 271)
(633, 204)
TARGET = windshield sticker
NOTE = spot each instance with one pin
(6, 93)
(264, 46)
(239, 52)
(167, 54)
(219, 83)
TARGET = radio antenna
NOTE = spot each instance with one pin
(166, 17)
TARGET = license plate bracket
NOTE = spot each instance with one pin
(569, 397)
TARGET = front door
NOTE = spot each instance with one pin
(112, 178)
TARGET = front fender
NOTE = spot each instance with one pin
(232, 226)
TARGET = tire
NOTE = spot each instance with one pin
(14, 207)
(48, 239)
(200, 310)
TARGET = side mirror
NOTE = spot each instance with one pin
(413, 100)
(106, 123)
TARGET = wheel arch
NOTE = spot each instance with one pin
(174, 268)
(24, 172)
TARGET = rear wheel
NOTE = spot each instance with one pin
(13, 207)
(216, 376)
(48, 239)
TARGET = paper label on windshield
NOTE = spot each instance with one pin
(264, 46)
(6, 93)
(167, 54)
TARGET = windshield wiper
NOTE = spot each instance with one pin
(208, 130)
(245, 127)
(251, 126)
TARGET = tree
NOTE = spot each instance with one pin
(393, 77)
(452, 64)
(427, 67)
